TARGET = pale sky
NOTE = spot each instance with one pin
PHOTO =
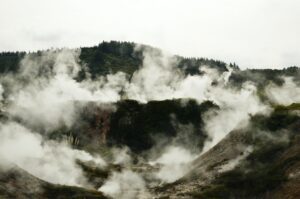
(252, 33)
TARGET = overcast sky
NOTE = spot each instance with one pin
(252, 33)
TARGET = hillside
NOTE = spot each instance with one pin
(121, 120)
(17, 183)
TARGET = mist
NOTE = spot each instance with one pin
(42, 97)
(286, 94)
(50, 161)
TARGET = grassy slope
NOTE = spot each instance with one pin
(17, 183)
(268, 168)
(270, 171)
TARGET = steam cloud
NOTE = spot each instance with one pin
(51, 161)
(286, 94)
(125, 185)
(43, 95)
(174, 164)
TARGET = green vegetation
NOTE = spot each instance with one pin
(112, 57)
(135, 125)
(291, 107)
(115, 56)
(9, 61)
(262, 77)
(281, 118)
(191, 65)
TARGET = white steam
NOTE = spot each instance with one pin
(43, 94)
(48, 160)
(236, 107)
(174, 164)
(121, 156)
(125, 185)
(286, 94)
(47, 98)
